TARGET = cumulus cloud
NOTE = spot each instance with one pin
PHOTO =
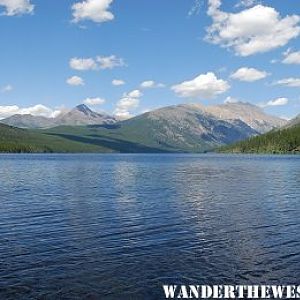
(148, 84)
(75, 81)
(16, 7)
(117, 82)
(253, 30)
(289, 82)
(134, 94)
(94, 101)
(249, 74)
(36, 110)
(291, 57)
(6, 89)
(92, 10)
(100, 62)
(110, 62)
(83, 64)
(276, 102)
(129, 102)
(203, 86)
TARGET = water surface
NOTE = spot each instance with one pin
(120, 226)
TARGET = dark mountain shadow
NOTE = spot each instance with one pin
(161, 143)
(106, 126)
(112, 143)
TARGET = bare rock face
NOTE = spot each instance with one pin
(29, 121)
(83, 115)
(250, 114)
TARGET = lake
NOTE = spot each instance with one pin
(120, 226)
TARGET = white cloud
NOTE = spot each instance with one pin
(254, 30)
(249, 74)
(291, 57)
(117, 82)
(92, 10)
(276, 102)
(75, 81)
(36, 110)
(55, 113)
(134, 94)
(110, 62)
(147, 84)
(94, 101)
(17, 7)
(203, 86)
(7, 88)
(289, 82)
(246, 3)
(151, 84)
(83, 64)
(101, 62)
(130, 101)
(230, 99)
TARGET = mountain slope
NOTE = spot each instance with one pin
(16, 140)
(250, 114)
(286, 140)
(29, 121)
(293, 122)
(187, 128)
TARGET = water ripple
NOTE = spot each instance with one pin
(120, 226)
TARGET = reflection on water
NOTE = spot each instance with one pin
(106, 226)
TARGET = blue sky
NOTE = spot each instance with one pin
(163, 42)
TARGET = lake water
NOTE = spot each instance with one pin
(120, 226)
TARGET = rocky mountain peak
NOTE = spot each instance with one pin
(84, 109)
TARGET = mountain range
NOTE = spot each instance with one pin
(82, 115)
(181, 128)
(79, 116)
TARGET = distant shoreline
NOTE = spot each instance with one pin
(217, 153)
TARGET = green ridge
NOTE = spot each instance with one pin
(16, 140)
(282, 141)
